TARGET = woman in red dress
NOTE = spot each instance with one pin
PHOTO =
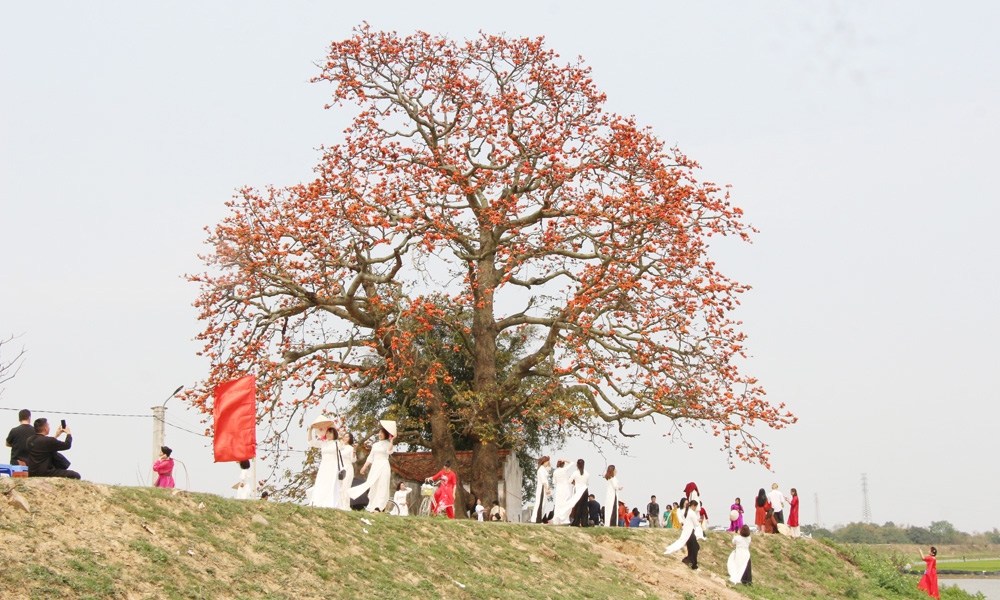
(928, 582)
(793, 514)
(762, 506)
(164, 468)
(444, 497)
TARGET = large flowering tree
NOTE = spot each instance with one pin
(482, 188)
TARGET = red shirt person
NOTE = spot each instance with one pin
(929, 582)
(164, 468)
(793, 513)
(444, 497)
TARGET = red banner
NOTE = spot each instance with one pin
(235, 416)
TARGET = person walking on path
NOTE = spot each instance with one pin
(793, 514)
(777, 500)
(164, 468)
(738, 564)
(444, 497)
(611, 495)
(347, 464)
(689, 536)
(929, 582)
(17, 439)
(653, 510)
(377, 484)
(736, 524)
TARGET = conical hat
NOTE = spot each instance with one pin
(322, 422)
(389, 426)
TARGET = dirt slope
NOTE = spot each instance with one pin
(82, 540)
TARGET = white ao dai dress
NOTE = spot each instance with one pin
(563, 490)
(347, 463)
(326, 489)
(377, 484)
(402, 502)
(738, 559)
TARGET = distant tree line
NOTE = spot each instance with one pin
(939, 532)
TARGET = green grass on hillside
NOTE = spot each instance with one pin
(97, 542)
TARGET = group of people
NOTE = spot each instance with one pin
(31, 446)
(569, 493)
(573, 504)
(694, 521)
(334, 484)
(563, 497)
(769, 516)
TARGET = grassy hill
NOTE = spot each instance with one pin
(81, 540)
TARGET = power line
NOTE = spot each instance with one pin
(89, 414)
(185, 429)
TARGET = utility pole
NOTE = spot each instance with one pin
(159, 418)
(159, 423)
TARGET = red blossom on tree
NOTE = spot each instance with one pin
(482, 186)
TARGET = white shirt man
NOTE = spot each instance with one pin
(777, 499)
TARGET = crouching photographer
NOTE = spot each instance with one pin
(44, 458)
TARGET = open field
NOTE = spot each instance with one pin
(970, 565)
(87, 541)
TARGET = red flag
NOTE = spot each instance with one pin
(235, 415)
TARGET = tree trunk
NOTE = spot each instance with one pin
(443, 444)
(485, 428)
(485, 471)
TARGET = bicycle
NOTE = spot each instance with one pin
(427, 493)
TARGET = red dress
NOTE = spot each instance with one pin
(165, 468)
(793, 512)
(928, 582)
(761, 514)
(444, 497)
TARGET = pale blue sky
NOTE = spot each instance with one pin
(859, 137)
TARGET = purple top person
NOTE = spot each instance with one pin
(738, 523)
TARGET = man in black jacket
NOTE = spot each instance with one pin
(18, 437)
(44, 459)
(594, 508)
